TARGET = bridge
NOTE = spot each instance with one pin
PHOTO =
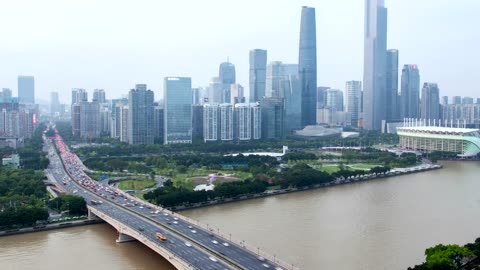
(188, 244)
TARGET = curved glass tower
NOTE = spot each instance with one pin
(307, 65)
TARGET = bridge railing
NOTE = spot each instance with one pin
(122, 228)
(256, 251)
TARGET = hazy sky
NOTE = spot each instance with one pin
(116, 44)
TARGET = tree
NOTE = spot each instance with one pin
(446, 257)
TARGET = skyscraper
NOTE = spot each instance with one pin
(273, 114)
(353, 91)
(374, 71)
(79, 95)
(26, 89)
(410, 92)
(236, 94)
(99, 95)
(258, 73)
(392, 85)
(215, 91)
(456, 100)
(226, 75)
(444, 100)
(177, 98)
(307, 65)
(140, 115)
(334, 100)
(430, 101)
(54, 103)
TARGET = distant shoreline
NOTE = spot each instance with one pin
(291, 190)
(49, 227)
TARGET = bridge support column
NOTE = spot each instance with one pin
(92, 216)
(124, 238)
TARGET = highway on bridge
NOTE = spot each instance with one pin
(188, 242)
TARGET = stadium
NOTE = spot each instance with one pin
(463, 141)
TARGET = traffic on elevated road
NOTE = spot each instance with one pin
(194, 244)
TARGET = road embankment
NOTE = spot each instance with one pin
(48, 227)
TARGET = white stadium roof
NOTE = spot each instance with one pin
(434, 129)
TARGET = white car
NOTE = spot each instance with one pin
(193, 231)
(213, 259)
(215, 242)
(175, 222)
(266, 265)
(226, 244)
(188, 244)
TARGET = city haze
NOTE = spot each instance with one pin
(116, 44)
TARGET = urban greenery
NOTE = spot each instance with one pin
(22, 198)
(451, 257)
(75, 205)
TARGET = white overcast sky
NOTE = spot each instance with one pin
(116, 44)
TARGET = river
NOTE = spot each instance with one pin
(378, 224)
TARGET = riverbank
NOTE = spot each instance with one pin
(337, 182)
(48, 227)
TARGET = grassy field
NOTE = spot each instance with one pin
(333, 168)
(136, 184)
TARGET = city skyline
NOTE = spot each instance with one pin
(113, 62)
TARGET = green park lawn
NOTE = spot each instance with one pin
(136, 184)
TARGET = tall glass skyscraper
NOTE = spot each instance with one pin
(26, 89)
(307, 65)
(374, 69)
(392, 85)
(177, 98)
(353, 92)
(410, 89)
(140, 115)
(258, 74)
(226, 75)
(430, 101)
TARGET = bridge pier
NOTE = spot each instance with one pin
(92, 216)
(124, 238)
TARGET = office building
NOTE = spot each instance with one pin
(236, 94)
(334, 100)
(353, 104)
(215, 91)
(392, 86)
(291, 93)
(54, 103)
(158, 118)
(321, 96)
(444, 101)
(307, 65)
(410, 92)
(456, 100)
(5, 95)
(177, 98)
(374, 69)
(272, 110)
(99, 96)
(197, 123)
(430, 102)
(140, 115)
(26, 89)
(257, 74)
(226, 75)
(79, 95)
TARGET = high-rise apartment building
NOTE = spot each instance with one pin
(99, 96)
(392, 86)
(158, 118)
(430, 103)
(307, 65)
(444, 101)
(26, 89)
(353, 104)
(467, 100)
(177, 98)
(114, 107)
(374, 68)
(140, 115)
(247, 121)
(456, 100)
(226, 75)
(258, 74)
(5, 95)
(410, 92)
